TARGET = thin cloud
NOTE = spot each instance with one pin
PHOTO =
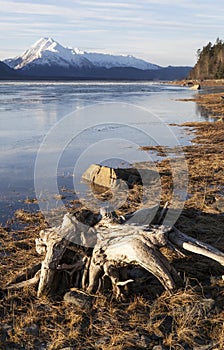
(178, 3)
(105, 4)
(84, 7)
(210, 16)
(79, 16)
(157, 29)
(37, 9)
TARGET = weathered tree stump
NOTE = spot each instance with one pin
(80, 256)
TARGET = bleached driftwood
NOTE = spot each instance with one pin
(77, 255)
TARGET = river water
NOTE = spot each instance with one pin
(70, 125)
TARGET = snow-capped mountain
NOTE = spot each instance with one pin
(109, 61)
(47, 52)
(47, 59)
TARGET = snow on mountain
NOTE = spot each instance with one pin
(109, 61)
(47, 52)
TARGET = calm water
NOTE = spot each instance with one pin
(92, 122)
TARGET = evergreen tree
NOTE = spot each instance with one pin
(210, 62)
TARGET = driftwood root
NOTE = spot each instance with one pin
(116, 245)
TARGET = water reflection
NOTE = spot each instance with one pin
(29, 110)
(203, 114)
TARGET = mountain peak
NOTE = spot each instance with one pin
(48, 39)
(48, 52)
(44, 41)
(44, 44)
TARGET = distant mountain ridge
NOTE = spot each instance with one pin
(47, 51)
(47, 59)
(6, 72)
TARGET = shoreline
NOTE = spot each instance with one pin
(203, 83)
(149, 317)
(212, 104)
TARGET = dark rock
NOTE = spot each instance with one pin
(207, 305)
(10, 347)
(165, 326)
(159, 347)
(32, 330)
(79, 299)
(43, 307)
(2, 293)
(155, 337)
(144, 341)
(141, 342)
(102, 341)
(4, 332)
(132, 180)
(40, 345)
(23, 245)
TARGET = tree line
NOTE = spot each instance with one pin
(210, 63)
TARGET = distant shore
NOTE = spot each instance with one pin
(202, 82)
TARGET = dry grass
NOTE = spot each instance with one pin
(148, 317)
(187, 319)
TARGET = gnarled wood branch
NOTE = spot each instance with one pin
(193, 245)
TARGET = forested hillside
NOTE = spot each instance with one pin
(210, 64)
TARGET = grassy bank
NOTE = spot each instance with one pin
(190, 318)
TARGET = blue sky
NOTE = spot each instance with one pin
(165, 32)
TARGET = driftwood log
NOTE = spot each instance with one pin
(77, 255)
